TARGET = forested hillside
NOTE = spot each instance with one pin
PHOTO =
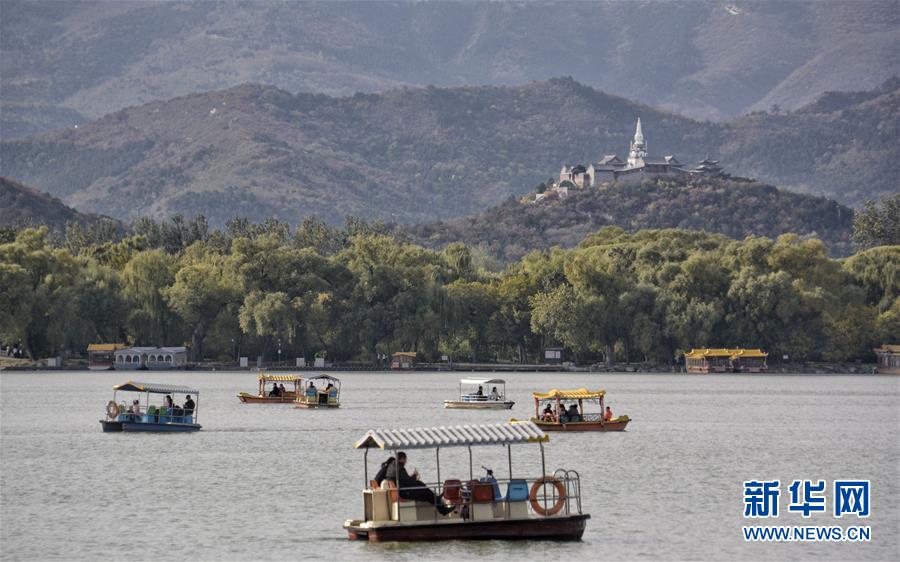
(736, 208)
(24, 206)
(424, 154)
(354, 294)
(705, 59)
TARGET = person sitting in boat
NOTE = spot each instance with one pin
(274, 393)
(281, 390)
(573, 413)
(189, 406)
(563, 417)
(411, 488)
(136, 410)
(607, 415)
(168, 402)
(480, 391)
(548, 414)
(494, 394)
(382, 472)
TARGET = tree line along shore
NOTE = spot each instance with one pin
(356, 293)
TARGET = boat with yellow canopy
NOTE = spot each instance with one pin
(273, 395)
(557, 417)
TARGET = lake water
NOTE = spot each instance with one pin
(275, 483)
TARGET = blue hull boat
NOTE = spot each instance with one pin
(113, 426)
(167, 417)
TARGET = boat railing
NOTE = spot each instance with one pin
(559, 494)
(314, 396)
(572, 481)
(157, 417)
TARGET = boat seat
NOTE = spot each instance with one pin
(453, 491)
(517, 491)
(395, 496)
(482, 492)
(483, 506)
(405, 509)
(516, 500)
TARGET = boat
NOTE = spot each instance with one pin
(325, 394)
(725, 361)
(542, 507)
(558, 418)
(479, 399)
(265, 396)
(151, 417)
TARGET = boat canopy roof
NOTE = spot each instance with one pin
(578, 394)
(107, 346)
(482, 381)
(325, 377)
(455, 436)
(724, 352)
(155, 388)
(279, 378)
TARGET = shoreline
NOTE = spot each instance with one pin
(780, 369)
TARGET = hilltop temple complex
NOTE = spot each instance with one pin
(637, 167)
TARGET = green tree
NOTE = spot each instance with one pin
(145, 279)
(561, 315)
(203, 290)
(878, 225)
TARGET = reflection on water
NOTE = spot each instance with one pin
(272, 482)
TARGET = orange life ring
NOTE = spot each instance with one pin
(560, 493)
(112, 410)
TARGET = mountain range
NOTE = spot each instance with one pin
(66, 63)
(422, 154)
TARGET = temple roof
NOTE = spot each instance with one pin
(608, 158)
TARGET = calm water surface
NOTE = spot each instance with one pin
(275, 483)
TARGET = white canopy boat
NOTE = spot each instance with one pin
(545, 506)
(473, 395)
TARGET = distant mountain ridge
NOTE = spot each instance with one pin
(420, 154)
(735, 207)
(67, 62)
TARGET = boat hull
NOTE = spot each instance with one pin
(614, 425)
(305, 406)
(486, 405)
(559, 528)
(252, 399)
(125, 426)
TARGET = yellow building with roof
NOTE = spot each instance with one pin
(724, 360)
(101, 356)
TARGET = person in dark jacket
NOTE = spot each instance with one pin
(189, 406)
(411, 488)
(382, 472)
